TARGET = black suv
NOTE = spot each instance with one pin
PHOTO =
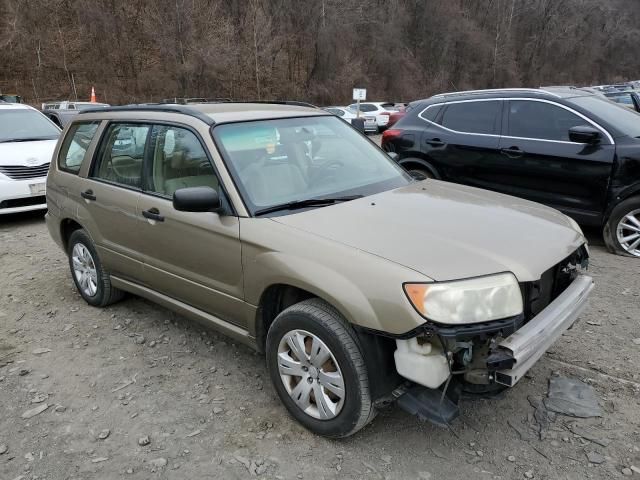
(565, 147)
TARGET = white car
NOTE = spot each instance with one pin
(27, 142)
(380, 110)
(348, 114)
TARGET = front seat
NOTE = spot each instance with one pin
(273, 181)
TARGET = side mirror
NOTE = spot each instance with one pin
(584, 134)
(196, 199)
(394, 156)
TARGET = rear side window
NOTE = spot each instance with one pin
(472, 117)
(541, 120)
(364, 107)
(75, 145)
(121, 154)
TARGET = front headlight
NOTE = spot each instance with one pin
(467, 301)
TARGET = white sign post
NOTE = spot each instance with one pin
(359, 94)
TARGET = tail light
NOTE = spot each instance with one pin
(388, 136)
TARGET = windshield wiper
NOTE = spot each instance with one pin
(32, 139)
(310, 202)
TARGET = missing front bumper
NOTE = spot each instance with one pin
(530, 342)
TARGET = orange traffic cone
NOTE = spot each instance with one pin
(93, 95)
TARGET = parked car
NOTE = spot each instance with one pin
(619, 87)
(346, 114)
(280, 225)
(564, 147)
(61, 113)
(395, 116)
(27, 142)
(10, 98)
(380, 110)
(629, 98)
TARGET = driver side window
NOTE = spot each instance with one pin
(179, 161)
(122, 153)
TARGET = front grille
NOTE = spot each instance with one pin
(22, 172)
(553, 282)
(23, 202)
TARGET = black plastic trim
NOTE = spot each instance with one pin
(507, 326)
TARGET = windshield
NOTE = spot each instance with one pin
(625, 120)
(25, 124)
(289, 160)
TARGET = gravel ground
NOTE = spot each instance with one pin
(134, 391)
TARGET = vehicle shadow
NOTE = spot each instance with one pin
(22, 218)
(594, 236)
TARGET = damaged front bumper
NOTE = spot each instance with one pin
(526, 345)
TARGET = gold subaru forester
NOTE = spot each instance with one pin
(286, 229)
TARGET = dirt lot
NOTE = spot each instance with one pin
(114, 379)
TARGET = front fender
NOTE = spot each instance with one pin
(366, 289)
(271, 268)
(620, 194)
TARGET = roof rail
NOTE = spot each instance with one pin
(496, 90)
(295, 103)
(190, 100)
(166, 108)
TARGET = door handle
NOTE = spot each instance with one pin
(512, 152)
(153, 214)
(88, 195)
(435, 142)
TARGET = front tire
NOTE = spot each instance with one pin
(622, 230)
(89, 276)
(317, 369)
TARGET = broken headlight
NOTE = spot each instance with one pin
(467, 301)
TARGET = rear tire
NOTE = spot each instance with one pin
(317, 326)
(89, 276)
(622, 227)
(419, 171)
(415, 166)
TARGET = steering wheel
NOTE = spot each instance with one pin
(326, 171)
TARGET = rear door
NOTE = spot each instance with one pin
(192, 257)
(540, 163)
(463, 140)
(111, 195)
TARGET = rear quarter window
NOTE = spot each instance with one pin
(75, 145)
(430, 114)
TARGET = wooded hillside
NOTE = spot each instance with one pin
(314, 50)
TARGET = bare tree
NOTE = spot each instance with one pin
(145, 50)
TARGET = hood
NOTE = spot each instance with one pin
(447, 231)
(30, 154)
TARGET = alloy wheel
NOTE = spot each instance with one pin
(628, 232)
(311, 375)
(84, 270)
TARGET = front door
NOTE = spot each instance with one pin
(191, 257)
(540, 163)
